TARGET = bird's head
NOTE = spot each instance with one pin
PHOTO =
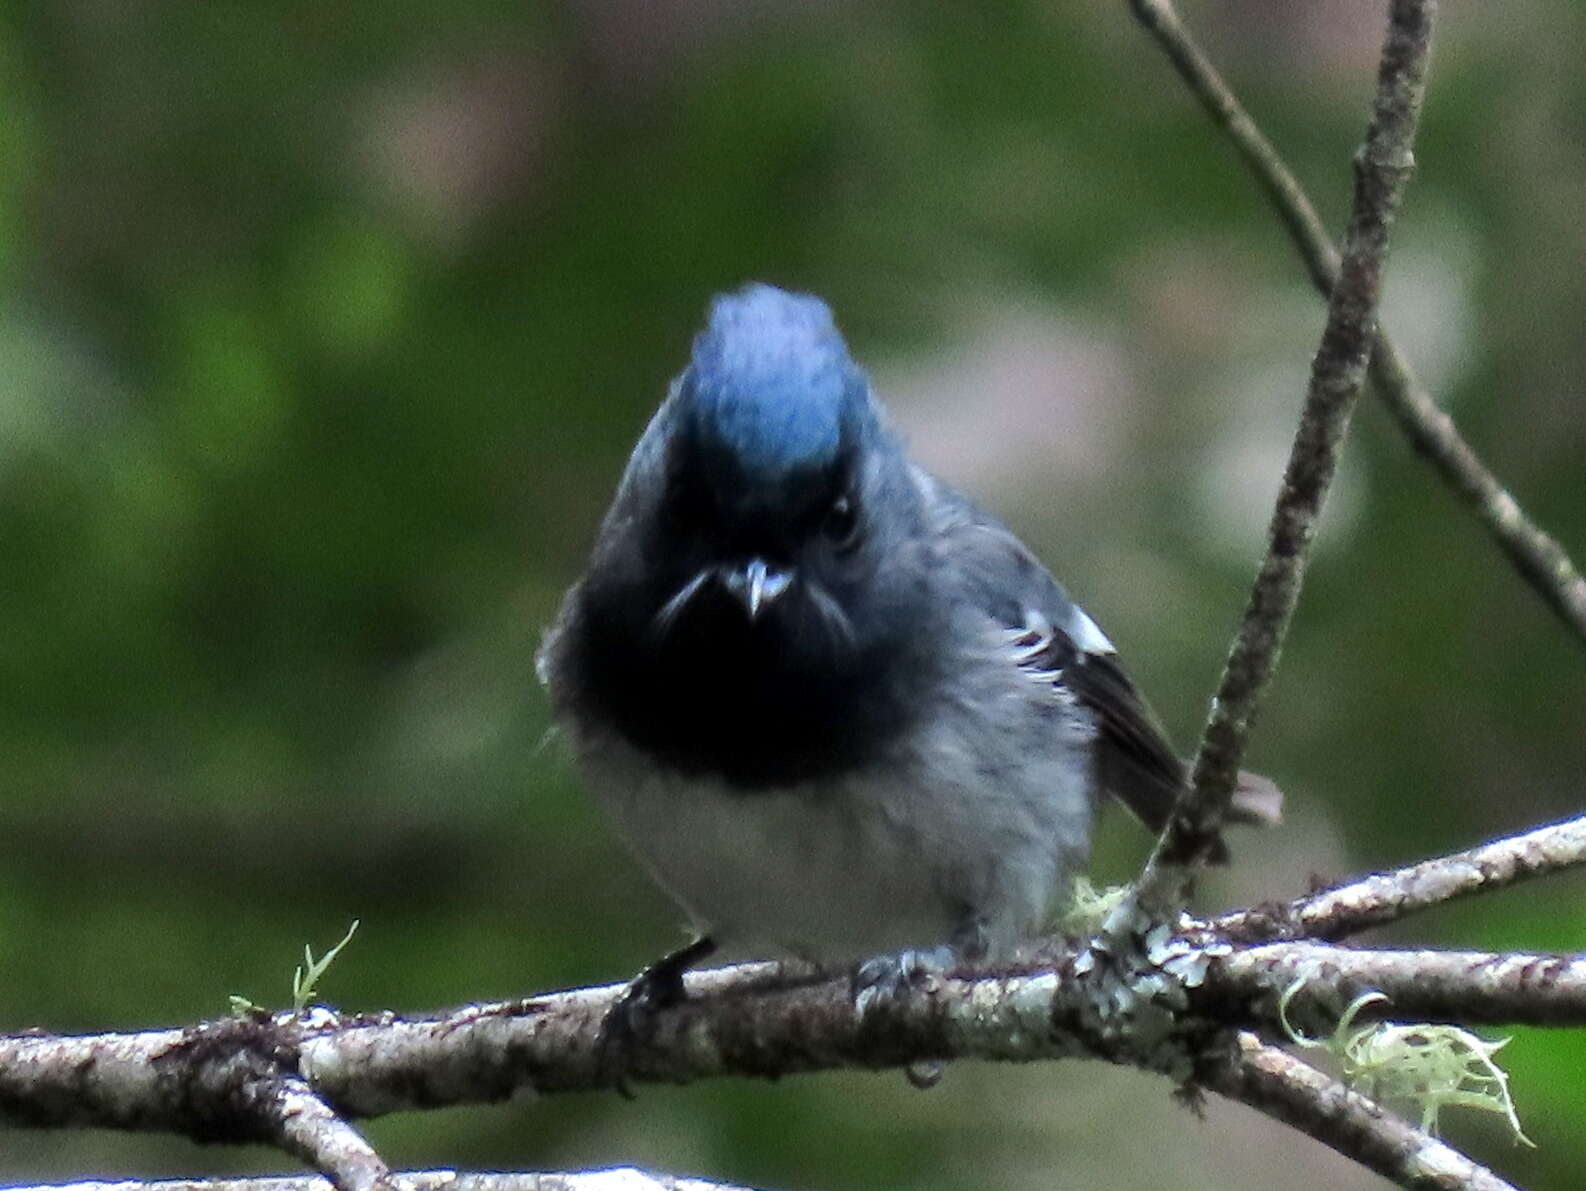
(775, 462)
(753, 591)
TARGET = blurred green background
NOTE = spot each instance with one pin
(325, 331)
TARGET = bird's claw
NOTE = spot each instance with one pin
(630, 1021)
(885, 979)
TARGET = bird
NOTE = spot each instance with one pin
(837, 709)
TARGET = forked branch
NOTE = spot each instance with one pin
(1382, 169)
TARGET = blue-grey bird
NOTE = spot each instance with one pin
(833, 706)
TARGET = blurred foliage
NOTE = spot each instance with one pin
(324, 331)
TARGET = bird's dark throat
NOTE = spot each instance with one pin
(760, 704)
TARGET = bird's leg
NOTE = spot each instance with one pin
(893, 974)
(886, 979)
(889, 977)
(631, 1017)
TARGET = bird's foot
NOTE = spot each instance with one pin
(885, 979)
(630, 1021)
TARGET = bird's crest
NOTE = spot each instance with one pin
(771, 382)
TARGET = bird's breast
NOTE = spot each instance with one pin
(769, 703)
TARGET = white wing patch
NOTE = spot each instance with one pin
(1086, 634)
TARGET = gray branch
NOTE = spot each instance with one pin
(1464, 987)
(1381, 898)
(1140, 994)
(1382, 169)
(1296, 1093)
(1170, 1006)
(308, 1129)
(1541, 561)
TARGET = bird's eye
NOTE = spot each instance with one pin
(841, 524)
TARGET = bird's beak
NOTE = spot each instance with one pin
(756, 585)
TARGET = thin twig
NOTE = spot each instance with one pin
(1382, 169)
(310, 1130)
(1294, 1092)
(1541, 561)
(1539, 558)
(1381, 898)
(1293, 205)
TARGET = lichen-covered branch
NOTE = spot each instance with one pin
(1382, 169)
(1464, 987)
(1139, 994)
(233, 1080)
(1381, 898)
(1292, 1091)
(1165, 1007)
(1541, 561)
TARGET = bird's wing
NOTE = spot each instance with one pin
(1134, 761)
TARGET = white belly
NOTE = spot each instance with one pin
(877, 862)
